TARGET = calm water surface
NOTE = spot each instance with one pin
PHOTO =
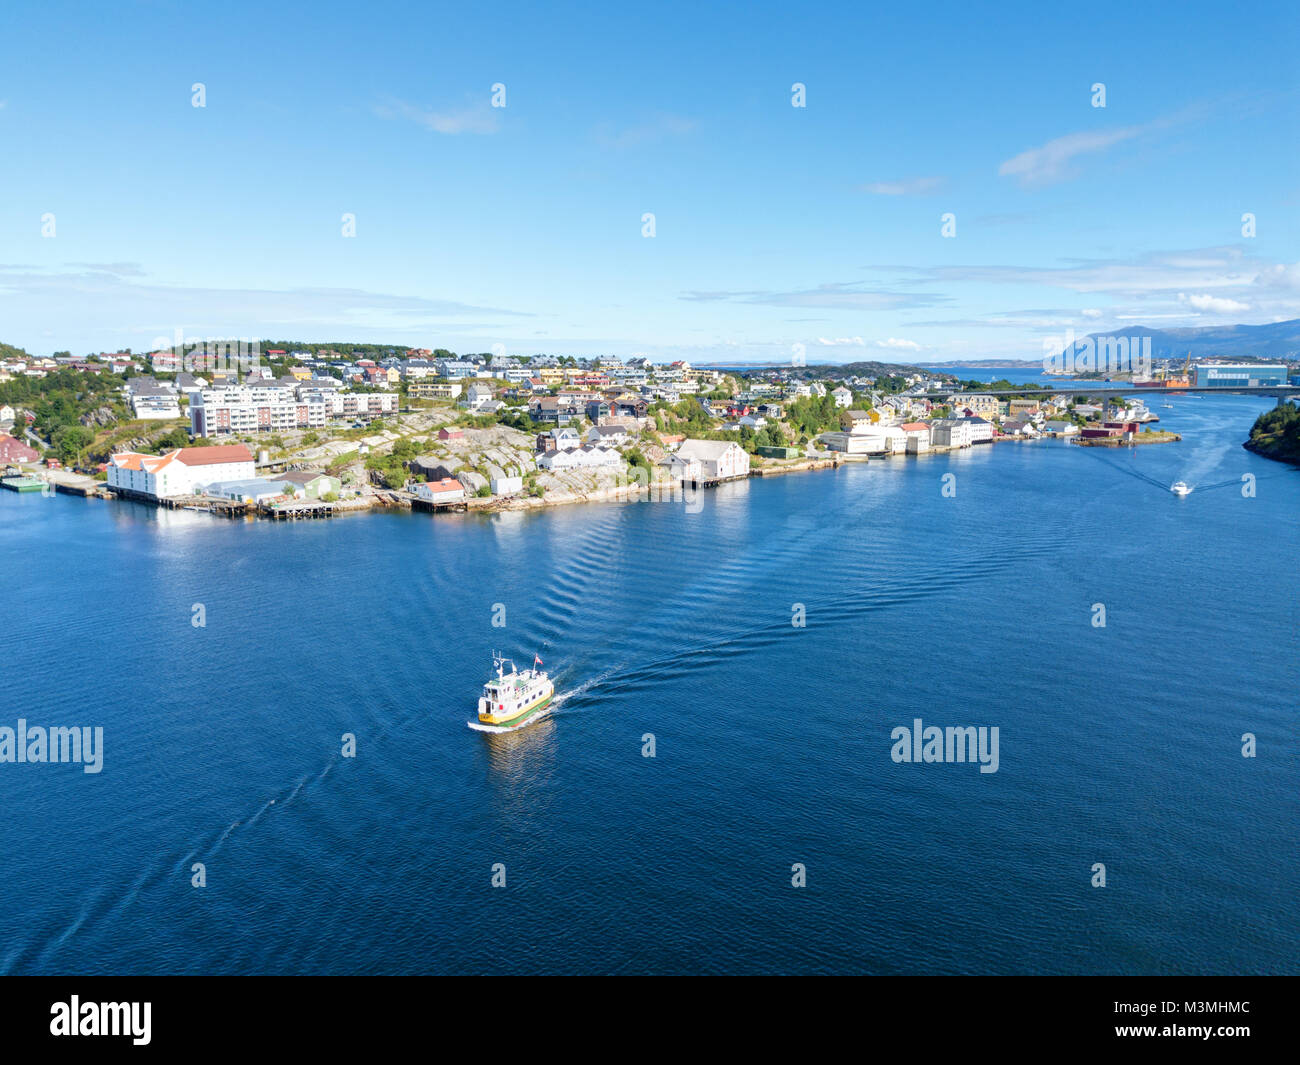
(1119, 745)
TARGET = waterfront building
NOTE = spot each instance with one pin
(312, 483)
(981, 432)
(1061, 427)
(447, 490)
(183, 471)
(709, 460)
(1238, 375)
(951, 432)
(254, 490)
(850, 443)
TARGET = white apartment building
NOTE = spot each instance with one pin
(270, 409)
(157, 406)
(951, 432)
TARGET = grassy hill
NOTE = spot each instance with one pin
(1276, 434)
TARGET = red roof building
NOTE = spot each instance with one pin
(210, 456)
(12, 450)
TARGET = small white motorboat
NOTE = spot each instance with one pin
(1180, 488)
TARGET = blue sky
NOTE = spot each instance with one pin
(521, 226)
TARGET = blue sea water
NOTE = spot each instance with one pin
(1119, 745)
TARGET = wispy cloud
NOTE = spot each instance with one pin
(898, 345)
(116, 269)
(917, 186)
(108, 307)
(1051, 162)
(657, 128)
(479, 118)
(849, 295)
(840, 342)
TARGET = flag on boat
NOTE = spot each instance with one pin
(537, 660)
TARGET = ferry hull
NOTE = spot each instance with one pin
(523, 717)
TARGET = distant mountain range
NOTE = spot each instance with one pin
(1276, 340)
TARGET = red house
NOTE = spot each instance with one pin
(12, 450)
(451, 434)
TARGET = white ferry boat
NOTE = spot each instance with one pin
(515, 698)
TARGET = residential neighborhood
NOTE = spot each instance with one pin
(319, 430)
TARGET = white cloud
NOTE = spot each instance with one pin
(1091, 312)
(1282, 275)
(840, 342)
(908, 187)
(474, 118)
(654, 129)
(1049, 163)
(1214, 304)
(894, 342)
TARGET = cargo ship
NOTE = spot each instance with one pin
(515, 698)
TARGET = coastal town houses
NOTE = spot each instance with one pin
(981, 432)
(476, 396)
(565, 439)
(607, 435)
(589, 456)
(184, 471)
(440, 492)
(950, 432)
(983, 406)
(843, 397)
(708, 460)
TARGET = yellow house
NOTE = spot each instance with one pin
(300, 373)
(551, 376)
